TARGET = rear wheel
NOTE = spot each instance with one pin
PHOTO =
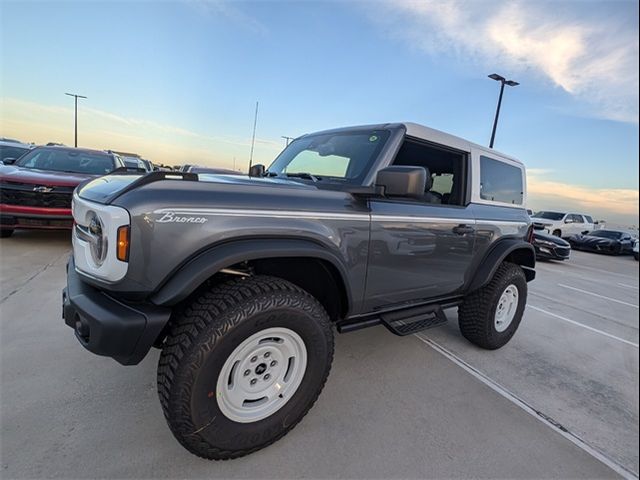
(243, 365)
(490, 316)
(6, 232)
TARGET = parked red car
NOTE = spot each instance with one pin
(36, 189)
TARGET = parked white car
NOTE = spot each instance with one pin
(562, 224)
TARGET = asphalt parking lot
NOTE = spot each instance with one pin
(559, 401)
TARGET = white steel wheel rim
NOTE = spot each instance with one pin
(506, 308)
(261, 375)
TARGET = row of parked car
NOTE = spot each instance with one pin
(37, 182)
(557, 233)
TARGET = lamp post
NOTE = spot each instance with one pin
(287, 140)
(75, 143)
(503, 81)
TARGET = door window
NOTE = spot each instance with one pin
(445, 168)
(500, 182)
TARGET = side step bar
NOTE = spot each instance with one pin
(414, 320)
(400, 322)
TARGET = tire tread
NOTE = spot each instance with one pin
(215, 308)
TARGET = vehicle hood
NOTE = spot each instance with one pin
(544, 237)
(109, 187)
(11, 173)
(590, 240)
(543, 221)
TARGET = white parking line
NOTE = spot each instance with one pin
(595, 330)
(599, 296)
(599, 270)
(541, 416)
(627, 286)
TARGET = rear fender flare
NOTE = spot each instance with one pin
(521, 252)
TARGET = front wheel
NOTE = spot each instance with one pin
(242, 365)
(6, 232)
(490, 316)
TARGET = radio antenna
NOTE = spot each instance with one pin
(253, 138)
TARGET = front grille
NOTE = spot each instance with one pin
(24, 195)
(43, 222)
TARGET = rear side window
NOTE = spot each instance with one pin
(500, 182)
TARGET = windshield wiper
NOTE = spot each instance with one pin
(305, 175)
(267, 173)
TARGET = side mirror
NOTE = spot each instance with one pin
(9, 161)
(568, 220)
(401, 181)
(257, 170)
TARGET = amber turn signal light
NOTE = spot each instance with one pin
(123, 244)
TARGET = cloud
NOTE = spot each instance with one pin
(594, 60)
(222, 8)
(617, 204)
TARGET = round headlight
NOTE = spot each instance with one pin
(98, 242)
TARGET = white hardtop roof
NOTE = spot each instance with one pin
(437, 136)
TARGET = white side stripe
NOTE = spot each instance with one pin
(263, 213)
(234, 212)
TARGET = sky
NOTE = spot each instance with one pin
(178, 81)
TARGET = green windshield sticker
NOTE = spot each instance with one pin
(373, 138)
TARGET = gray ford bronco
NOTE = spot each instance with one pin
(242, 280)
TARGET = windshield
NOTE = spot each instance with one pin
(68, 160)
(345, 156)
(7, 151)
(606, 234)
(550, 215)
(133, 162)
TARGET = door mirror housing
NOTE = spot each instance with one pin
(9, 161)
(402, 181)
(257, 170)
(569, 220)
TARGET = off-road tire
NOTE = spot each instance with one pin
(6, 232)
(203, 337)
(476, 314)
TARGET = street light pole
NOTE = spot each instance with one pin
(287, 140)
(76, 116)
(503, 81)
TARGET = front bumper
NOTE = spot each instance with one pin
(554, 253)
(107, 326)
(15, 216)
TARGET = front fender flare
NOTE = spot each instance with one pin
(204, 265)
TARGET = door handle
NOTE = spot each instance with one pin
(463, 229)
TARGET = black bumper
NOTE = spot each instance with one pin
(107, 326)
